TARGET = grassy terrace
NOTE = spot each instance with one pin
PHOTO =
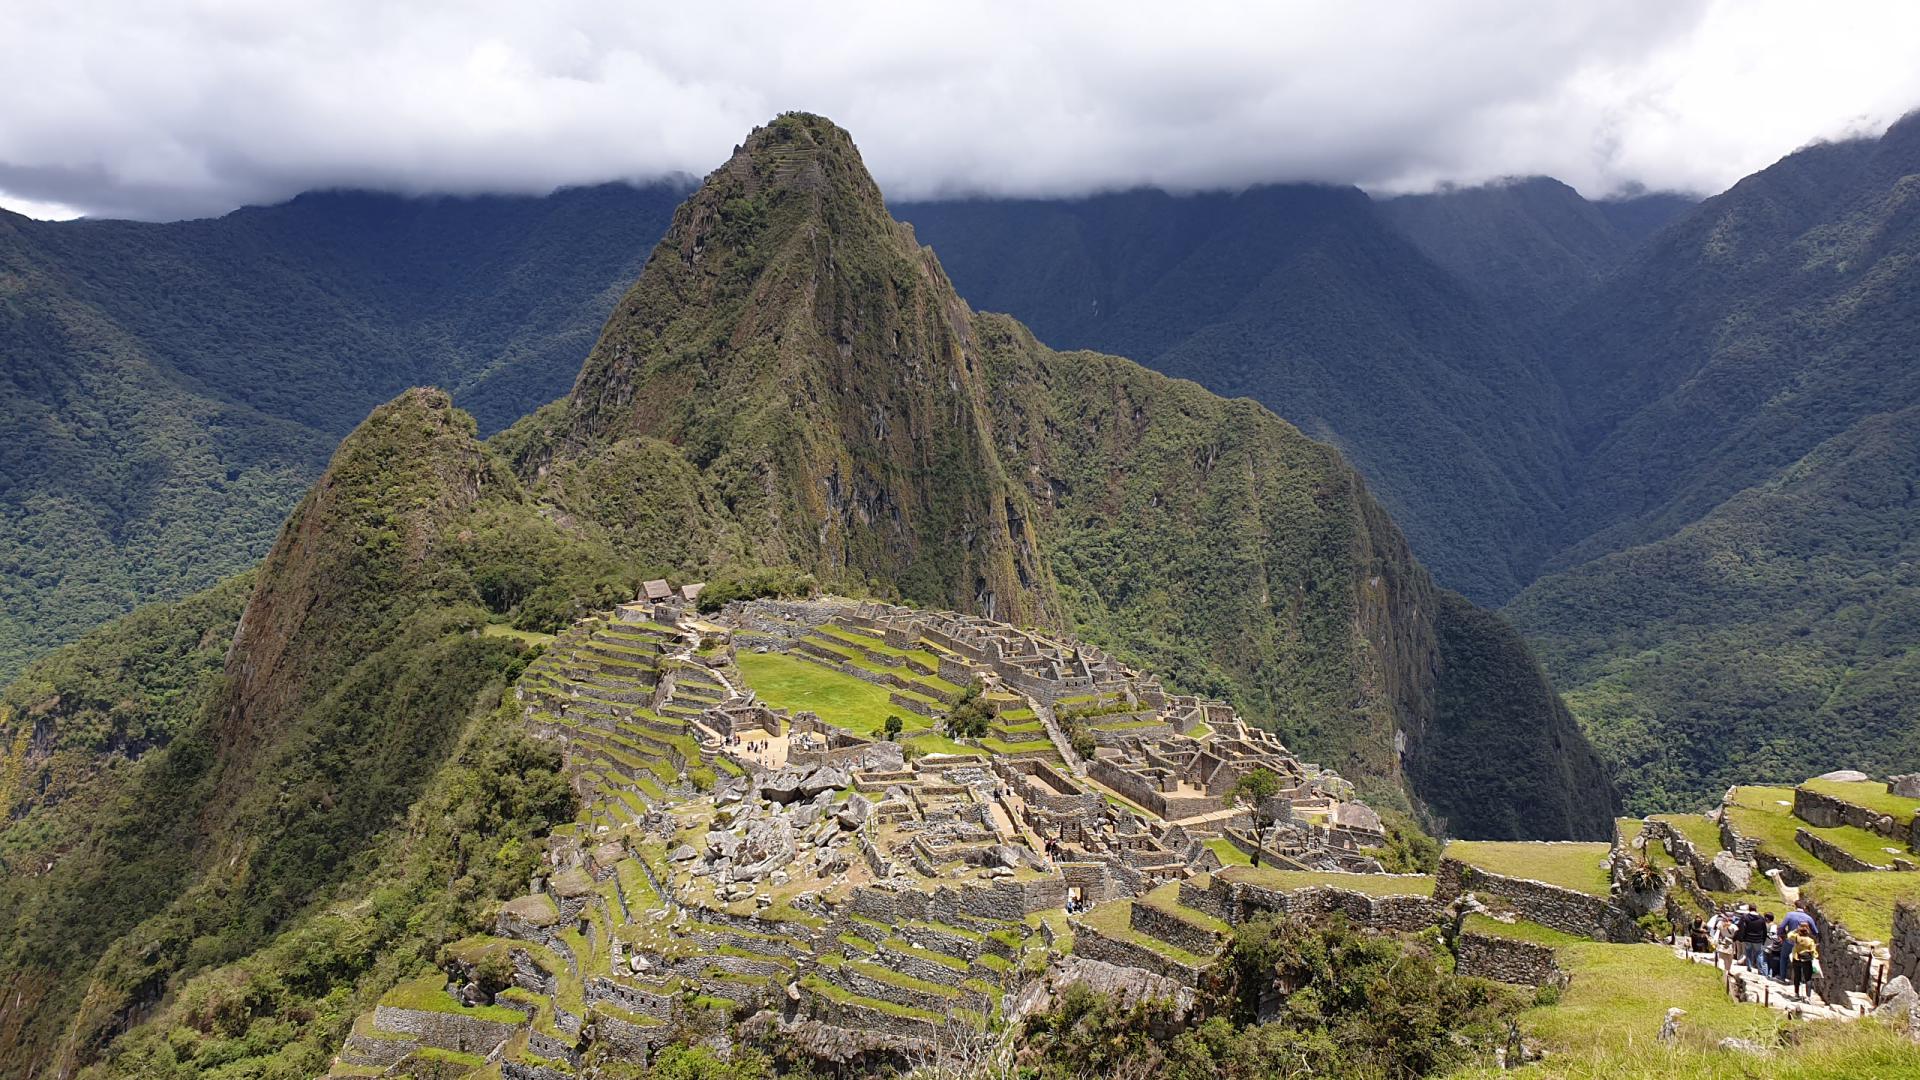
(1863, 903)
(1702, 832)
(1370, 884)
(785, 682)
(1229, 855)
(842, 996)
(505, 631)
(932, 742)
(1608, 1021)
(1581, 867)
(1766, 814)
(1114, 919)
(874, 643)
(1870, 794)
(1520, 930)
(428, 993)
(1870, 848)
(1166, 898)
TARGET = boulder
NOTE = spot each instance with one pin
(784, 786)
(1353, 815)
(1844, 776)
(1907, 785)
(684, 853)
(825, 780)
(1897, 999)
(1733, 874)
(854, 812)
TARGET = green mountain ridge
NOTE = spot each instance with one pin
(1736, 577)
(347, 788)
(172, 389)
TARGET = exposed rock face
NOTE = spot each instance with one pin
(1844, 776)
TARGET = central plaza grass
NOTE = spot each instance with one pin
(786, 682)
(1581, 867)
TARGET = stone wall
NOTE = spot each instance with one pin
(1833, 854)
(1174, 930)
(1825, 811)
(1565, 910)
(1522, 963)
(1236, 902)
(521, 1070)
(1905, 946)
(1846, 963)
(629, 1040)
(827, 1010)
(448, 1031)
(628, 998)
(1094, 945)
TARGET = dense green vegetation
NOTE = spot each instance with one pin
(1306, 300)
(170, 390)
(1361, 1006)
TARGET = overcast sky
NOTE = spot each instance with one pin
(165, 109)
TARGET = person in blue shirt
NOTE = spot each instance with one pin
(1795, 919)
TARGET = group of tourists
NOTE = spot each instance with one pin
(1786, 952)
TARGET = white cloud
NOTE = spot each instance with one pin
(161, 108)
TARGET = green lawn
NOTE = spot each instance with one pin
(1571, 866)
(1868, 847)
(1167, 898)
(1868, 793)
(1370, 884)
(785, 682)
(1115, 919)
(1606, 1025)
(932, 742)
(428, 993)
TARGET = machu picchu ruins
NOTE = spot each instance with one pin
(782, 831)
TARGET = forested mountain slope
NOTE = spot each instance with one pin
(169, 390)
(1736, 580)
(346, 788)
(1307, 300)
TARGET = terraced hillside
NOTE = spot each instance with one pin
(754, 853)
(752, 842)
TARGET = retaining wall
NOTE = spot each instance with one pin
(1522, 963)
(1566, 910)
(448, 1031)
(1825, 811)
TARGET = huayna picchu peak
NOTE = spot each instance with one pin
(1003, 661)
